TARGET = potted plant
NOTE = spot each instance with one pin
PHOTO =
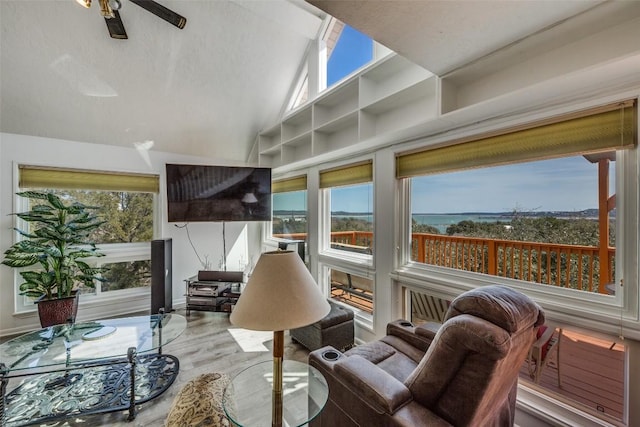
(57, 240)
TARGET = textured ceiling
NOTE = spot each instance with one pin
(204, 90)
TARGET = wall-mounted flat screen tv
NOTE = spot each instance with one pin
(218, 193)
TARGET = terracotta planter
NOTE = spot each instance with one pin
(58, 311)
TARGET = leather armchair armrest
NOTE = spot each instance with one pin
(374, 385)
(406, 331)
(428, 330)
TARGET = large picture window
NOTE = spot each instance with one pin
(536, 221)
(126, 204)
(542, 207)
(536, 204)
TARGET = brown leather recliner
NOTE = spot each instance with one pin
(461, 373)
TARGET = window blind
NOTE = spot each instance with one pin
(610, 127)
(357, 173)
(79, 179)
(289, 184)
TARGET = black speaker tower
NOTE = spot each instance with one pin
(161, 273)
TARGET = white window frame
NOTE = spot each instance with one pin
(362, 265)
(598, 315)
(114, 252)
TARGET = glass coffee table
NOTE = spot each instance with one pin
(247, 401)
(87, 368)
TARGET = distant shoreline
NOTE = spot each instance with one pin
(586, 213)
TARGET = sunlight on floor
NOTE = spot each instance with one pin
(251, 341)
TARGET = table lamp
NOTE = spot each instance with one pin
(280, 294)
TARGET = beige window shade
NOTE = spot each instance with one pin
(610, 127)
(43, 177)
(290, 184)
(347, 175)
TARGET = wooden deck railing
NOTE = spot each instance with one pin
(569, 266)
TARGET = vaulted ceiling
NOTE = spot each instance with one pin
(209, 88)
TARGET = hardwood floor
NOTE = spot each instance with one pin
(205, 346)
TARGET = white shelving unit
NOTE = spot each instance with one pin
(390, 95)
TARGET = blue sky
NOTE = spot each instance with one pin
(352, 51)
(568, 184)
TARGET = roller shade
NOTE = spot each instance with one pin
(290, 184)
(78, 179)
(611, 127)
(347, 175)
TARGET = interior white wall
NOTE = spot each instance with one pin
(242, 239)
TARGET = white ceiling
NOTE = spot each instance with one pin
(204, 90)
(209, 88)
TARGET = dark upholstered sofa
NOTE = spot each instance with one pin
(461, 373)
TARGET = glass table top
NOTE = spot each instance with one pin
(248, 400)
(63, 345)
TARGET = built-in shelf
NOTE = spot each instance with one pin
(391, 94)
(388, 78)
(336, 134)
(269, 139)
(336, 104)
(297, 124)
(270, 159)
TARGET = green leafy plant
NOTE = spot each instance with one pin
(57, 240)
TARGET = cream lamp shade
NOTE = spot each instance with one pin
(281, 294)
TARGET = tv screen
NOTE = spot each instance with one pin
(218, 193)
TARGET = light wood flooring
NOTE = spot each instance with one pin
(205, 346)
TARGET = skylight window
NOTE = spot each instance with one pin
(352, 51)
(347, 51)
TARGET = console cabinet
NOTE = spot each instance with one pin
(206, 295)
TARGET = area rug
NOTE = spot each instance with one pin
(199, 403)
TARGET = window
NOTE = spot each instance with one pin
(546, 206)
(126, 203)
(352, 51)
(289, 204)
(350, 195)
(536, 205)
(352, 218)
(536, 221)
(352, 289)
(347, 51)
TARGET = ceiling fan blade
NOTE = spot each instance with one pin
(115, 26)
(162, 12)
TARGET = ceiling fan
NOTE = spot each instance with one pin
(109, 10)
